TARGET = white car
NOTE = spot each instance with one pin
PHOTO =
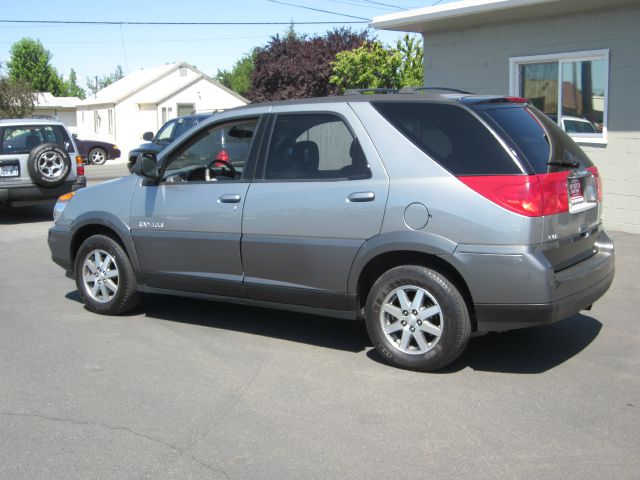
(576, 125)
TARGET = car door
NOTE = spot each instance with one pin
(319, 194)
(186, 228)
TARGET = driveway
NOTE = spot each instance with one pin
(187, 389)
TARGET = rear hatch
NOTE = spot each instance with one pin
(567, 184)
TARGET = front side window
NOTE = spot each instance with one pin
(571, 89)
(166, 132)
(314, 147)
(217, 153)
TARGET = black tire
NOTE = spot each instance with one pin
(48, 165)
(442, 309)
(97, 156)
(103, 299)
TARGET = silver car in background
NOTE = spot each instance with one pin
(429, 215)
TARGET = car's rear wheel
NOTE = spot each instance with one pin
(97, 156)
(417, 318)
(105, 277)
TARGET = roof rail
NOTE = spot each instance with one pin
(365, 91)
(422, 89)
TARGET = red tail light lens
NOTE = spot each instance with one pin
(80, 165)
(529, 195)
(518, 193)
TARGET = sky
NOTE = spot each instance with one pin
(96, 50)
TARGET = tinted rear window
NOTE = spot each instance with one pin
(23, 139)
(539, 138)
(450, 135)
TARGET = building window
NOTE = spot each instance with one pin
(96, 121)
(110, 112)
(571, 88)
(167, 114)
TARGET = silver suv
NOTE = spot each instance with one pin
(38, 161)
(430, 216)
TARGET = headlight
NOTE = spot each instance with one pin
(61, 204)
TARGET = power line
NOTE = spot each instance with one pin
(102, 22)
(318, 10)
(385, 4)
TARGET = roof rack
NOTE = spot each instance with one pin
(442, 89)
(366, 91)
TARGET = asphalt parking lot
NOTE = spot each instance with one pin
(187, 389)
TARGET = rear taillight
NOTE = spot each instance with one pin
(529, 195)
(80, 164)
(518, 193)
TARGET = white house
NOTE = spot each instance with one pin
(143, 100)
(64, 108)
(571, 58)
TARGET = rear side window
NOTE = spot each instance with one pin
(451, 135)
(314, 147)
(23, 139)
(543, 143)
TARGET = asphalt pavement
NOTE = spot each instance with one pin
(187, 389)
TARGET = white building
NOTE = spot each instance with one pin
(576, 58)
(64, 108)
(143, 100)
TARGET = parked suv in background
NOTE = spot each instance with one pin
(171, 130)
(38, 161)
(431, 216)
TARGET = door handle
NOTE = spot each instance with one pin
(229, 198)
(362, 197)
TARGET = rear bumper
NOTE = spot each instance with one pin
(520, 288)
(495, 318)
(34, 194)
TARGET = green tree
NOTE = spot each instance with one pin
(374, 66)
(72, 89)
(16, 98)
(98, 83)
(238, 78)
(29, 62)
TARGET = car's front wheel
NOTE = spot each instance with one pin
(105, 277)
(417, 318)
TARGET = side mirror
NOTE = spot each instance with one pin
(147, 136)
(147, 166)
(74, 135)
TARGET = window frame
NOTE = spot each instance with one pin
(561, 58)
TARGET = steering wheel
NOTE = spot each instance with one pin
(230, 172)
